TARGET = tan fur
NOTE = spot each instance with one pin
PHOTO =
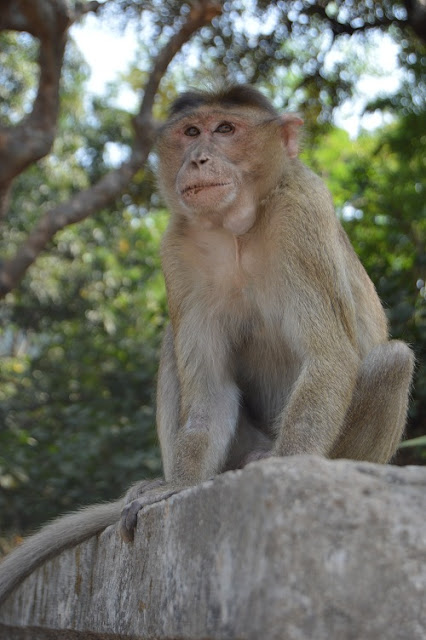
(278, 343)
(274, 328)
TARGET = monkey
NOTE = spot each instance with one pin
(278, 343)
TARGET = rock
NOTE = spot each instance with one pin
(287, 549)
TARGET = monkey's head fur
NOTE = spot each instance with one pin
(212, 169)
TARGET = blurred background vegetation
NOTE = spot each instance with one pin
(79, 337)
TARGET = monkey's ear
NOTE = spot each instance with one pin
(290, 123)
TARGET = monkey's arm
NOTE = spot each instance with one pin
(52, 539)
(322, 318)
(209, 400)
(197, 413)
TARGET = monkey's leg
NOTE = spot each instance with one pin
(376, 417)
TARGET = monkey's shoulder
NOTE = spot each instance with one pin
(300, 213)
(309, 191)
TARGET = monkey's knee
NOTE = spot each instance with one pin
(388, 366)
(383, 386)
(402, 360)
(376, 417)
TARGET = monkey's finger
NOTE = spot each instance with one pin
(129, 518)
(129, 515)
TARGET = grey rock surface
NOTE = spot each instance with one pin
(286, 549)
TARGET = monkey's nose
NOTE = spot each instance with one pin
(200, 159)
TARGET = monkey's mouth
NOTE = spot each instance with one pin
(193, 189)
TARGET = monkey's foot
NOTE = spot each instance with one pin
(154, 491)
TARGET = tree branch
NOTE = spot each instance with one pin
(40, 18)
(108, 188)
(32, 138)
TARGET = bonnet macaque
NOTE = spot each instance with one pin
(278, 344)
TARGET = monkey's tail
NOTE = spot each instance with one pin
(67, 531)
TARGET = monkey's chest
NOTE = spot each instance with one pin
(233, 295)
(231, 280)
(231, 277)
(223, 258)
(248, 309)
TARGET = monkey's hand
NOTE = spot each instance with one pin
(141, 495)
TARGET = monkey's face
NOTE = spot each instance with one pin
(213, 169)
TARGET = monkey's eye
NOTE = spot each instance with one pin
(191, 131)
(225, 127)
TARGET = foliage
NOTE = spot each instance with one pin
(80, 337)
(77, 399)
(17, 80)
(414, 442)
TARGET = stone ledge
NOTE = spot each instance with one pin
(286, 549)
